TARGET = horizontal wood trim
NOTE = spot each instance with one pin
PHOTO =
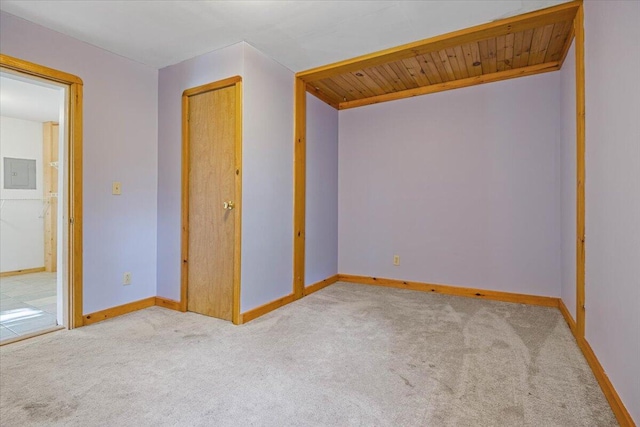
(99, 316)
(24, 271)
(266, 308)
(618, 408)
(212, 86)
(567, 316)
(454, 84)
(453, 290)
(320, 285)
(33, 69)
(560, 13)
(168, 303)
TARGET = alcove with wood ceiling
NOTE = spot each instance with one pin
(519, 46)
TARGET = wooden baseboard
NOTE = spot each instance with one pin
(23, 271)
(453, 290)
(99, 316)
(168, 303)
(320, 285)
(567, 316)
(618, 408)
(266, 308)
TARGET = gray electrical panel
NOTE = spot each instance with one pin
(19, 174)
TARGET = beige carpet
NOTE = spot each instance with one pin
(349, 355)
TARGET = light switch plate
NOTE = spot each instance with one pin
(116, 188)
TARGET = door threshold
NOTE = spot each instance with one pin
(31, 335)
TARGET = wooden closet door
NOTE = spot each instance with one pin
(211, 242)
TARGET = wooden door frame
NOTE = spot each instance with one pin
(74, 169)
(580, 172)
(184, 271)
(299, 185)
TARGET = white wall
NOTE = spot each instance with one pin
(567, 173)
(21, 217)
(462, 185)
(613, 193)
(267, 188)
(173, 80)
(321, 239)
(119, 144)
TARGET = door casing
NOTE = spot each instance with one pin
(73, 107)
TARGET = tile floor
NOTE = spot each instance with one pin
(27, 304)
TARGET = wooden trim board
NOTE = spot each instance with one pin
(184, 280)
(618, 408)
(320, 285)
(50, 153)
(168, 303)
(237, 255)
(266, 308)
(23, 271)
(299, 185)
(73, 107)
(580, 173)
(567, 316)
(452, 290)
(119, 310)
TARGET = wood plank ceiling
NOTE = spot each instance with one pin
(523, 45)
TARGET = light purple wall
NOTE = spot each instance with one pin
(321, 243)
(120, 144)
(462, 185)
(613, 193)
(173, 80)
(267, 187)
(567, 173)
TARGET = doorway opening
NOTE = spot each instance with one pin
(40, 246)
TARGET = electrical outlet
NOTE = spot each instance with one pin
(116, 188)
(396, 260)
(126, 279)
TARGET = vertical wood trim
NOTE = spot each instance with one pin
(184, 250)
(75, 119)
(237, 255)
(236, 81)
(299, 185)
(47, 176)
(580, 179)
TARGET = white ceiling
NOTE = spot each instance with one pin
(298, 34)
(29, 100)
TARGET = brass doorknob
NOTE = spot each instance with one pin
(229, 205)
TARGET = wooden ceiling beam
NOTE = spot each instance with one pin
(503, 27)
